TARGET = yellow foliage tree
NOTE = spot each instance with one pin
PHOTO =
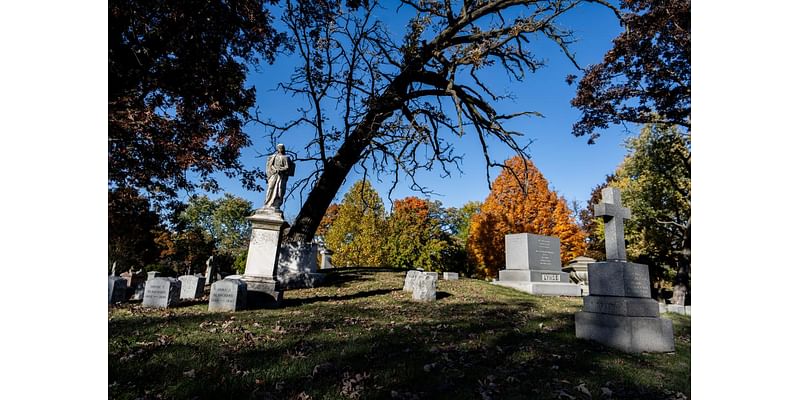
(520, 202)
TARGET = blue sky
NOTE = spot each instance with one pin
(571, 166)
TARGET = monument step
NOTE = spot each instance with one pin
(629, 334)
(627, 306)
(543, 288)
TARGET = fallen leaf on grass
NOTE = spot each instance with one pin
(582, 388)
(189, 373)
(606, 391)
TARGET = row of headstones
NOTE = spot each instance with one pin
(162, 292)
(422, 285)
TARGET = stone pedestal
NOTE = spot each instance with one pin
(260, 271)
(533, 265)
(578, 270)
(326, 258)
(297, 266)
(619, 311)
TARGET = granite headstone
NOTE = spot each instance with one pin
(533, 265)
(161, 292)
(228, 295)
(192, 286)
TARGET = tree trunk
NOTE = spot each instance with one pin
(337, 167)
(681, 285)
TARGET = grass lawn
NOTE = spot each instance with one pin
(361, 337)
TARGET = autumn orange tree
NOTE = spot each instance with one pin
(520, 202)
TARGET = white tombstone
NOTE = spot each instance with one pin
(192, 286)
(228, 295)
(161, 292)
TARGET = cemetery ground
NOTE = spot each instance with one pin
(360, 336)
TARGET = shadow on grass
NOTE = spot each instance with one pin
(294, 302)
(518, 347)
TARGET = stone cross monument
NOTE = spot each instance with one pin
(610, 208)
(618, 311)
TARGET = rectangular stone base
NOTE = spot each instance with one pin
(629, 334)
(301, 280)
(262, 292)
(543, 288)
(533, 275)
(627, 306)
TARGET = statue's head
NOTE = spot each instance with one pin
(281, 149)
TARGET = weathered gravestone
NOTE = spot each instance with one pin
(117, 287)
(161, 292)
(619, 311)
(533, 265)
(297, 265)
(424, 287)
(228, 295)
(153, 274)
(450, 276)
(192, 286)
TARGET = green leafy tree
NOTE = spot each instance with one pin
(207, 227)
(457, 220)
(417, 237)
(655, 180)
(357, 234)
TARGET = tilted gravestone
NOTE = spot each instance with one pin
(533, 265)
(619, 311)
(161, 292)
(424, 287)
(192, 286)
(450, 276)
(117, 287)
(228, 295)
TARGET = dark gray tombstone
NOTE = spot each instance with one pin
(192, 286)
(619, 311)
(533, 265)
(228, 295)
(117, 287)
(161, 292)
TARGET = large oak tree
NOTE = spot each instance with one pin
(393, 106)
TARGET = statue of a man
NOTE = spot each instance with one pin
(279, 168)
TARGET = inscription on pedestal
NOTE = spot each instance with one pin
(551, 278)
